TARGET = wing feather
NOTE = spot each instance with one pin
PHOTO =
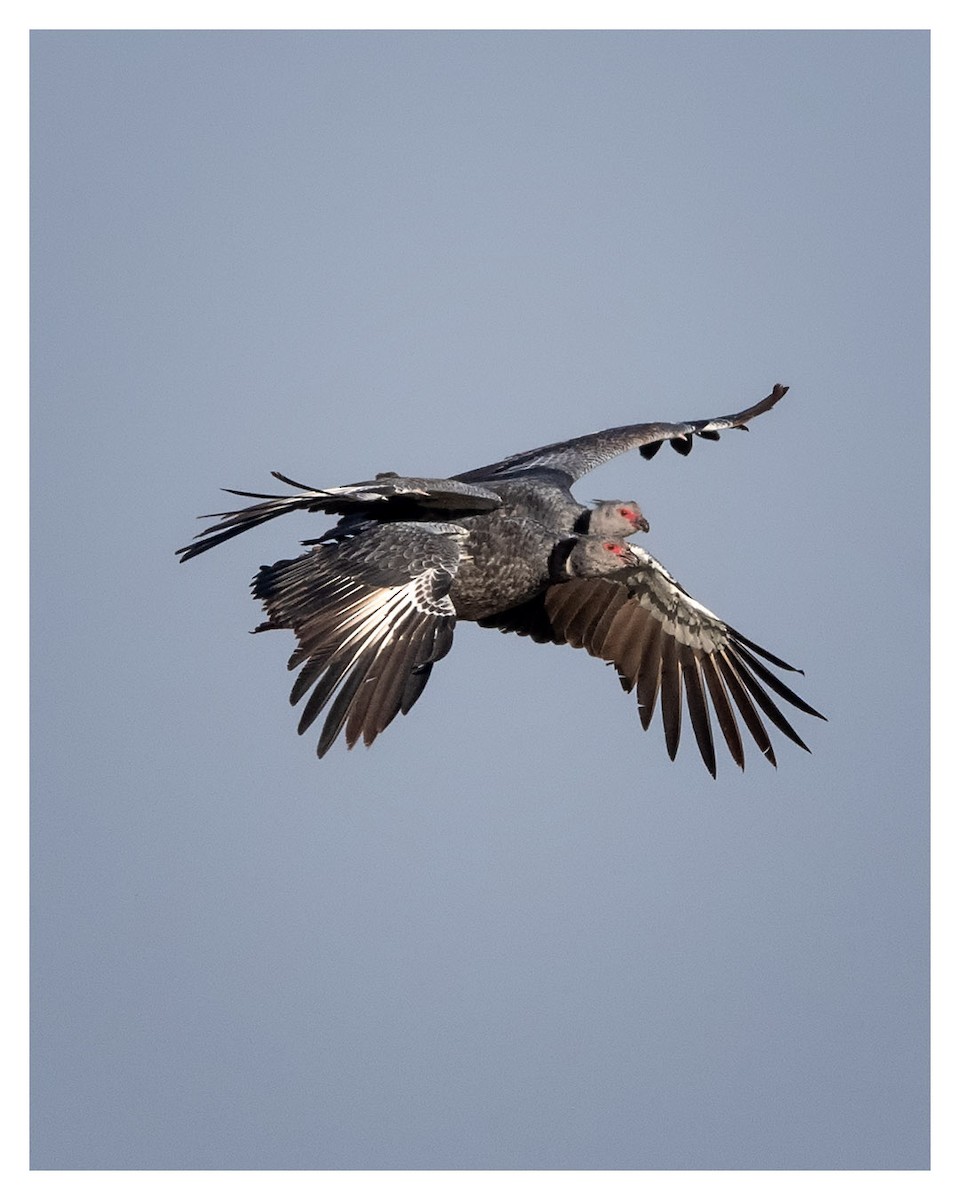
(769, 709)
(570, 460)
(671, 704)
(387, 498)
(669, 648)
(747, 711)
(412, 661)
(772, 682)
(648, 679)
(643, 629)
(372, 613)
(697, 706)
(721, 706)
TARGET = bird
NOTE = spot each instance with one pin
(375, 599)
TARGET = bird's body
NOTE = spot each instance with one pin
(508, 552)
(374, 600)
(503, 556)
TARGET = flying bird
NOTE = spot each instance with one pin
(374, 600)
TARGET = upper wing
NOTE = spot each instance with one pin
(372, 614)
(664, 643)
(388, 497)
(580, 455)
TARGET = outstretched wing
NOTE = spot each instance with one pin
(575, 458)
(665, 644)
(372, 614)
(386, 498)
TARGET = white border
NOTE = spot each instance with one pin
(19, 19)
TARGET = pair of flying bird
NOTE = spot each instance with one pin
(374, 601)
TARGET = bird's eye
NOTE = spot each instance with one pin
(613, 547)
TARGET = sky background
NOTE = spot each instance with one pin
(511, 935)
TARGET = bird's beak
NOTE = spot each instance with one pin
(643, 525)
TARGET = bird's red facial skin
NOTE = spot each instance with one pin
(632, 513)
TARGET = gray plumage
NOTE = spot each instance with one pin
(572, 459)
(374, 601)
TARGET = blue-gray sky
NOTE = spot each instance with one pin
(512, 934)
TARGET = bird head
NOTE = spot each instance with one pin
(617, 518)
